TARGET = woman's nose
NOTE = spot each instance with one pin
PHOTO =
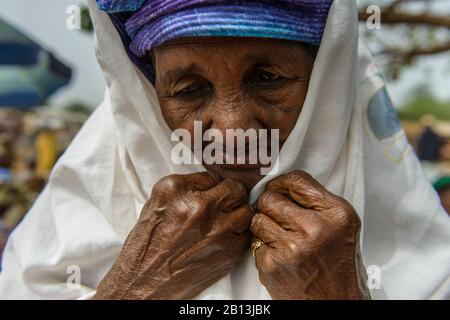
(236, 114)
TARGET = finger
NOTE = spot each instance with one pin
(228, 195)
(266, 229)
(238, 221)
(290, 216)
(177, 183)
(261, 256)
(201, 181)
(281, 209)
(303, 189)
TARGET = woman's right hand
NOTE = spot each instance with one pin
(192, 232)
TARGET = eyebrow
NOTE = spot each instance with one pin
(175, 73)
(262, 57)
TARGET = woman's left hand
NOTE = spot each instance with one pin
(310, 241)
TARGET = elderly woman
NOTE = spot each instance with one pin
(346, 186)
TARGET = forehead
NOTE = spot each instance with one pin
(217, 49)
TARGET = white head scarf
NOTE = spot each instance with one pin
(346, 137)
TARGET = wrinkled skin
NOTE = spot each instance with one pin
(195, 228)
(310, 240)
(191, 233)
(234, 83)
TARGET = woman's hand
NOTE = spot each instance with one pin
(311, 248)
(191, 233)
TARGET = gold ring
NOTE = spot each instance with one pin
(256, 244)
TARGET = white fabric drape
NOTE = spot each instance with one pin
(345, 137)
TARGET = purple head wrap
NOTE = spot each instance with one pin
(145, 24)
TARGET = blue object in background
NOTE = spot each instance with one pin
(383, 119)
(5, 175)
(16, 48)
(29, 75)
(30, 86)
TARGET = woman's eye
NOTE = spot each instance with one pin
(262, 80)
(266, 76)
(192, 90)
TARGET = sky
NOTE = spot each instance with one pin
(45, 21)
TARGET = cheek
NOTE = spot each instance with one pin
(286, 124)
(177, 114)
(287, 105)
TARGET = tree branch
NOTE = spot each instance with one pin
(409, 54)
(391, 16)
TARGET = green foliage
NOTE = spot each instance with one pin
(86, 22)
(78, 107)
(423, 103)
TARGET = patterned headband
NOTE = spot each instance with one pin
(150, 23)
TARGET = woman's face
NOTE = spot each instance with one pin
(233, 83)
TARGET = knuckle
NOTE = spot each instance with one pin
(298, 176)
(266, 199)
(345, 215)
(299, 173)
(236, 186)
(291, 211)
(293, 248)
(316, 196)
(168, 185)
(256, 222)
(316, 232)
(269, 266)
(194, 205)
(298, 182)
(232, 188)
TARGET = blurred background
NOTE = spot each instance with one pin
(50, 82)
